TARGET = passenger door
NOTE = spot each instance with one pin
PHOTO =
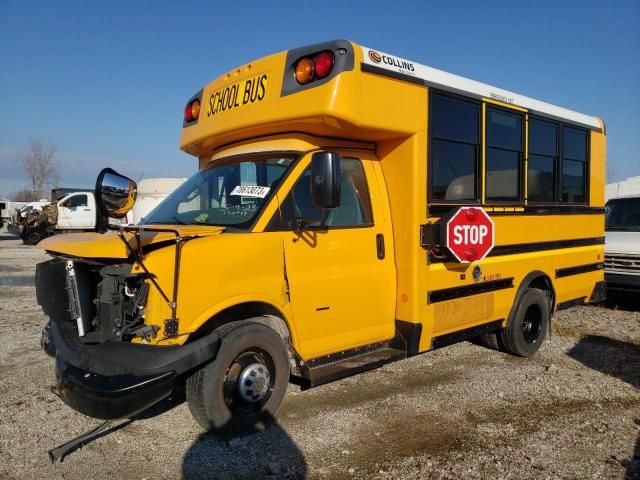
(75, 212)
(341, 274)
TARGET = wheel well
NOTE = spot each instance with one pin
(259, 312)
(542, 282)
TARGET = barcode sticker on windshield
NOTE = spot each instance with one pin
(250, 191)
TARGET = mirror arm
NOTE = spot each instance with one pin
(137, 259)
(299, 224)
(170, 325)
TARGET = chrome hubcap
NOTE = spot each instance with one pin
(254, 382)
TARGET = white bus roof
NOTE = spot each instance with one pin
(414, 72)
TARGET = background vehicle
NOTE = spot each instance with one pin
(7, 209)
(352, 208)
(75, 212)
(622, 246)
(151, 191)
(624, 188)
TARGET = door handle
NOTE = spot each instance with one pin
(380, 246)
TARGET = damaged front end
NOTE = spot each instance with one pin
(105, 367)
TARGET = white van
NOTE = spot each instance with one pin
(622, 245)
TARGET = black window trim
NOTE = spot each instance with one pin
(557, 159)
(521, 155)
(586, 166)
(478, 146)
(524, 162)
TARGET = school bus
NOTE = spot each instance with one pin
(328, 231)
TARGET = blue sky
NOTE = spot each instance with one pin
(107, 81)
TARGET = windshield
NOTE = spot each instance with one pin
(230, 193)
(623, 214)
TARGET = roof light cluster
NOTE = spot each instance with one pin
(314, 67)
(192, 110)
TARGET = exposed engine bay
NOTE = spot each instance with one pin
(106, 302)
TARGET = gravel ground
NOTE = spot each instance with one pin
(573, 411)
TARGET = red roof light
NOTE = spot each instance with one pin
(323, 64)
(188, 115)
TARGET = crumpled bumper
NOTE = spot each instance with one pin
(119, 379)
(110, 397)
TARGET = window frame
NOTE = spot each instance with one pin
(522, 154)
(557, 159)
(586, 163)
(250, 225)
(76, 196)
(276, 224)
(479, 148)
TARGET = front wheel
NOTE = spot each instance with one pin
(46, 341)
(32, 236)
(242, 389)
(528, 328)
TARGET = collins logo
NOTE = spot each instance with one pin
(375, 56)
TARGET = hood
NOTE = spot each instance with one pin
(108, 245)
(622, 242)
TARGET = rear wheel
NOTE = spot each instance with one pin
(490, 340)
(242, 389)
(528, 328)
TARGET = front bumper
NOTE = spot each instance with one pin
(109, 397)
(119, 379)
(623, 282)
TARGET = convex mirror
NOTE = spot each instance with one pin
(115, 194)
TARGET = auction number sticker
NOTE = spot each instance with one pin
(251, 191)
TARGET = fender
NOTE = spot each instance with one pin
(284, 311)
(524, 285)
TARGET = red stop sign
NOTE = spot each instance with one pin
(470, 234)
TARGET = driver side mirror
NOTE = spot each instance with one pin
(115, 194)
(325, 180)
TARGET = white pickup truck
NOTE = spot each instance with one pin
(74, 212)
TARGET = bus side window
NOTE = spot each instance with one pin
(543, 161)
(504, 155)
(574, 165)
(454, 149)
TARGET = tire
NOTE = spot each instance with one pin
(215, 392)
(46, 342)
(528, 328)
(490, 340)
(32, 237)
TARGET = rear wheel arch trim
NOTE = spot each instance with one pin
(525, 284)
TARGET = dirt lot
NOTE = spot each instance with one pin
(573, 411)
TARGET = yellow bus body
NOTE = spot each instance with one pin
(344, 297)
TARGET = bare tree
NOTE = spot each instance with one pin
(24, 195)
(39, 165)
